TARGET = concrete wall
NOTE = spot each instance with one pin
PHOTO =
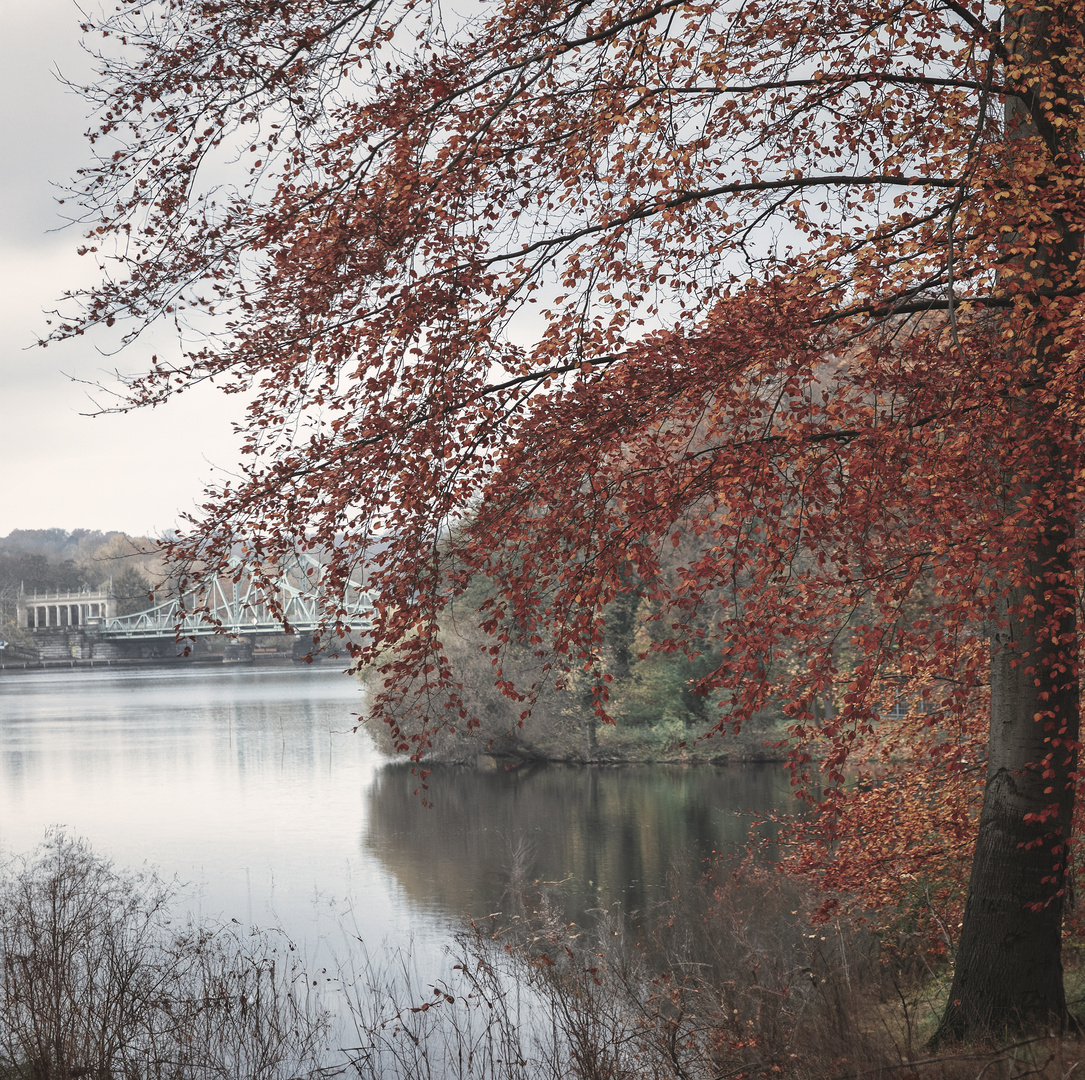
(73, 644)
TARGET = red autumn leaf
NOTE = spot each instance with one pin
(798, 292)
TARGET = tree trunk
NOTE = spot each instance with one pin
(588, 721)
(1008, 975)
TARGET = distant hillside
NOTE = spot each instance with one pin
(47, 560)
(56, 544)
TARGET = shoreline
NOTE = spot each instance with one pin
(755, 750)
(21, 667)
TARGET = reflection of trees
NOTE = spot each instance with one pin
(594, 836)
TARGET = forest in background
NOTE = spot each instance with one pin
(652, 692)
(50, 560)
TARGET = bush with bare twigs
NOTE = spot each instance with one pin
(97, 981)
(736, 983)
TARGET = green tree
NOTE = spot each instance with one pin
(131, 591)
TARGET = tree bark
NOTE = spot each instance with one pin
(1008, 975)
(587, 730)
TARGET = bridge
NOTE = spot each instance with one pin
(229, 602)
(239, 608)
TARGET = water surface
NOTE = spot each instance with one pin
(253, 785)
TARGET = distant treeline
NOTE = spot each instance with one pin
(51, 560)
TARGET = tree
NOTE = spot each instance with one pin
(514, 294)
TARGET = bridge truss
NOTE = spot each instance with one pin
(239, 607)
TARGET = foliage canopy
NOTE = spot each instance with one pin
(551, 292)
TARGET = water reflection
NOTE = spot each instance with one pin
(636, 834)
(250, 784)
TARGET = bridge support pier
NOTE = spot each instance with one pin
(238, 652)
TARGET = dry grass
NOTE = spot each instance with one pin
(97, 981)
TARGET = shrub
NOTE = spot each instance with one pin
(734, 982)
(96, 981)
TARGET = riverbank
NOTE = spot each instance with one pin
(233, 654)
(630, 750)
(666, 742)
(22, 666)
(531, 995)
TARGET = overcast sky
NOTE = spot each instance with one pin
(59, 468)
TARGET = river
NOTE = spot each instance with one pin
(253, 787)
